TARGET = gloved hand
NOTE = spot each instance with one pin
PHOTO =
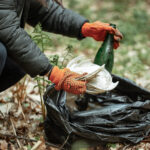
(98, 31)
(66, 80)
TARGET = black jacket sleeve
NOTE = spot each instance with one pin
(56, 19)
(19, 45)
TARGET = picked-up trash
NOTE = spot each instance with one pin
(122, 115)
(99, 79)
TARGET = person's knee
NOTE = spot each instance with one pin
(3, 56)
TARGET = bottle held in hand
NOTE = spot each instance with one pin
(105, 54)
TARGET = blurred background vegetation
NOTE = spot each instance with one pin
(132, 18)
(132, 58)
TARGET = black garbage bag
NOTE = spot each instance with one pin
(123, 115)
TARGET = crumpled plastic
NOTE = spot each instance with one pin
(121, 115)
(99, 79)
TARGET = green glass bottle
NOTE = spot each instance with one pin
(105, 54)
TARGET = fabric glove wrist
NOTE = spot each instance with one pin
(98, 30)
(66, 80)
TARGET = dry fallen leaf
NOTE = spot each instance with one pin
(3, 145)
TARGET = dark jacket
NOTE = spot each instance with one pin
(13, 16)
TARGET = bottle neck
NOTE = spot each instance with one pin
(111, 36)
(109, 39)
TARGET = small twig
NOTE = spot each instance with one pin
(64, 142)
(52, 145)
(22, 111)
(36, 145)
(14, 130)
(2, 114)
(42, 102)
(125, 147)
(33, 101)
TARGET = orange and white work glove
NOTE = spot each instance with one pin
(66, 80)
(98, 30)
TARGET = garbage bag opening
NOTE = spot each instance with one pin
(121, 115)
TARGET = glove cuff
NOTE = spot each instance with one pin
(57, 74)
(84, 29)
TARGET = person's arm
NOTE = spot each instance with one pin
(56, 19)
(19, 45)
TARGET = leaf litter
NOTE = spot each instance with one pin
(21, 123)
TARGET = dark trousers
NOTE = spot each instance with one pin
(10, 72)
